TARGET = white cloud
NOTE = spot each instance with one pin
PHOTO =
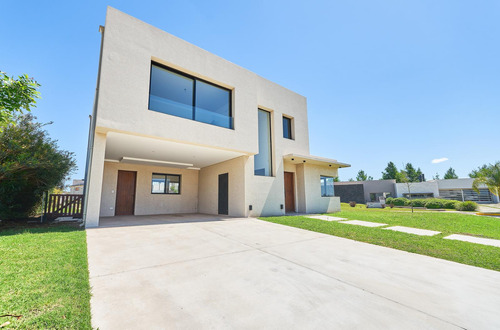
(439, 160)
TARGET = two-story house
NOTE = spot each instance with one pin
(176, 129)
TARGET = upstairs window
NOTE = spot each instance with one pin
(262, 161)
(326, 186)
(178, 94)
(287, 128)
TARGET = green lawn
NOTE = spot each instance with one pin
(44, 277)
(435, 246)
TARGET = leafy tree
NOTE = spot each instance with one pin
(436, 177)
(475, 173)
(362, 176)
(336, 179)
(405, 178)
(16, 95)
(450, 174)
(351, 179)
(411, 173)
(30, 164)
(490, 176)
(391, 172)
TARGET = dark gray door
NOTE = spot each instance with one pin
(223, 193)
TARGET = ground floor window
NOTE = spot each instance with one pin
(418, 195)
(166, 184)
(326, 186)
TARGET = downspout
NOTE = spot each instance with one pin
(92, 125)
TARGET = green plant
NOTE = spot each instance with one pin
(389, 200)
(16, 95)
(30, 164)
(419, 202)
(400, 201)
(449, 204)
(434, 204)
(466, 206)
(489, 176)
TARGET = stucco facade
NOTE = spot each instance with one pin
(126, 135)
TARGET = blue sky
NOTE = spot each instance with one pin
(401, 81)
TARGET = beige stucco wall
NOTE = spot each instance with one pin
(145, 201)
(208, 190)
(128, 49)
(94, 185)
(314, 202)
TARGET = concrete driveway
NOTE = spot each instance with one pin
(196, 271)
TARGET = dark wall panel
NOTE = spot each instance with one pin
(352, 192)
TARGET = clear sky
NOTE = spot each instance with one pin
(387, 80)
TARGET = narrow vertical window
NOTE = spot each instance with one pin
(287, 128)
(326, 186)
(262, 161)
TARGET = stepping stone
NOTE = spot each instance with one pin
(416, 231)
(472, 239)
(326, 218)
(364, 223)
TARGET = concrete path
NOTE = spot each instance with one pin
(415, 231)
(248, 274)
(477, 240)
(364, 223)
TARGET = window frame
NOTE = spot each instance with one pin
(194, 79)
(165, 191)
(271, 158)
(290, 127)
(320, 180)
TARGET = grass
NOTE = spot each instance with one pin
(435, 246)
(44, 277)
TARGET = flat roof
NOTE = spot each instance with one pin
(314, 160)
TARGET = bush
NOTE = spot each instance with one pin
(466, 206)
(31, 163)
(447, 204)
(400, 201)
(418, 202)
(389, 200)
(434, 204)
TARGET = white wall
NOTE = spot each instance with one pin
(145, 201)
(315, 203)
(417, 187)
(209, 184)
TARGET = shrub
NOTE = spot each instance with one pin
(389, 200)
(31, 163)
(466, 206)
(447, 204)
(434, 204)
(418, 202)
(400, 201)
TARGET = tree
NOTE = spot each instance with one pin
(351, 179)
(475, 173)
(404, 178)
(436, 177)
(16, 95)
(411, 173)
(489, 176)
(391, 172)
(450, 174)
(30, 164)
(363, 177)
(336, 179)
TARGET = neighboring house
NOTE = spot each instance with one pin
(176, 129)
(364, 191)
(456, 189)
(371, 191)
(76, 187)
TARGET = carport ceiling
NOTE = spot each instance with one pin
(149, 150)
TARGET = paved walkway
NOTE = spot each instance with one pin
(208, 272)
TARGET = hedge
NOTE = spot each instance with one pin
(433, 203)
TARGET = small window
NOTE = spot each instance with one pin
(262, 161)
(326, 186)
(166, 184)
(287, 128)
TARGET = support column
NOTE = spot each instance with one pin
(91, 217)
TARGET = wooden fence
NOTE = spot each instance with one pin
(64, 205)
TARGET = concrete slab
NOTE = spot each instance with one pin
(477, 240)
(247, 273)
(415, 231)
(364, 223)
(326, 218)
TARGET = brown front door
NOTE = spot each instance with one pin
(125, 193)
(289, 193)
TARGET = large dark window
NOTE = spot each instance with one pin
(181, 95)
(287, 128)
(166, 184)
(262, 161)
